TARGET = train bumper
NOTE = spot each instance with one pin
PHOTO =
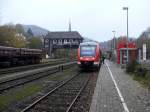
(86, 64)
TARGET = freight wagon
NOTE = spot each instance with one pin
(10, 56)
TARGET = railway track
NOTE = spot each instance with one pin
(62, 97)
(29, 67)
(13, 82)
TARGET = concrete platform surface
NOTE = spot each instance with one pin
(116, 91)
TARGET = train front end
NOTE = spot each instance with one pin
(89, 55)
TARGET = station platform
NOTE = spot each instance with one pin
(116, 91)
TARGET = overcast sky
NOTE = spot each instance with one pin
(95, 19)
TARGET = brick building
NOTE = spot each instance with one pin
(57, 40)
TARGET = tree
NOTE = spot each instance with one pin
(10, 37)
(19, 29)
(30, 33)
(18, 41)
(143, 38)
(6, 33)
(35, 43)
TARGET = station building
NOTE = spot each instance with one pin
(63, 39)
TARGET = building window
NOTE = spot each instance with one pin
(70, 40)
(54, 41)
(59, 41)
(46, 40)
(73, 40)
(65, 41)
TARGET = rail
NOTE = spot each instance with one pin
(29, 67)
(8, 83)
(59, 88)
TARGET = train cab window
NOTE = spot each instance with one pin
(88, 50)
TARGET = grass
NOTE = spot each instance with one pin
(62, 76)
(143, 80)
(18, 95)
(139, 73)
(53, 60)
(28, 90)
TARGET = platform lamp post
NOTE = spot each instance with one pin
(114, 45)
(126, 9)
(114, 32)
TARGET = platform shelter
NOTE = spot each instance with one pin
(122, 52)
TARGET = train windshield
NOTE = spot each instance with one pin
(88, 50)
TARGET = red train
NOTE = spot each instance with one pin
(10, 56)
(89, 55)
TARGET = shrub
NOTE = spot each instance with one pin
(130, 68)
(140, 71)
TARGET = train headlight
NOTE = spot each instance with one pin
(81, 57)
(93, 58)
(96, 63)
(79, 63)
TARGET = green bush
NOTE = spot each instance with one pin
(143, 80)
(147, 77)
(131, 67)
(140, 71)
